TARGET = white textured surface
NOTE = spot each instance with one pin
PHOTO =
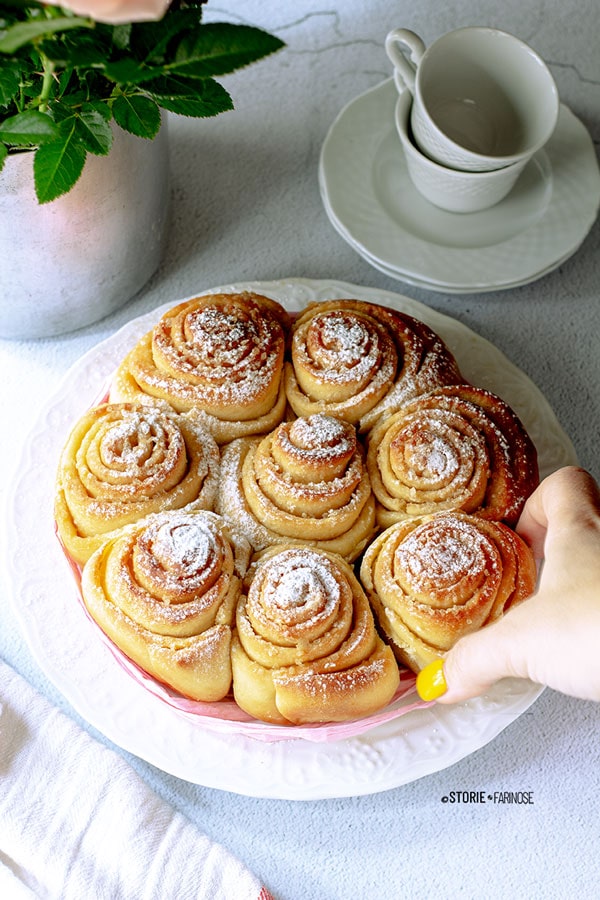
(247, 206)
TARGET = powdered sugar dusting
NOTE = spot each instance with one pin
(300, 581)
(184, 543)
(344, 346)
(443, 551)
(321, 436)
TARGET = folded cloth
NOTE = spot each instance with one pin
(77, 821)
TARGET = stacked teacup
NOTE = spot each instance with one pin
(473, 109)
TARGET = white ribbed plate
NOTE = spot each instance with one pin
(81, 666)
(372, 203)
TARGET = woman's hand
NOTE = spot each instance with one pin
(553, 638)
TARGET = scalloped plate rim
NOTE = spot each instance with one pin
(432, 266)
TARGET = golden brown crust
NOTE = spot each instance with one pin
(221, 355)
(357, 360)
(306, 481)
(164, 591)
(306, 649)
(459, 447)
(432, 580)
(294, 406)
(124, 461)
(344, 360)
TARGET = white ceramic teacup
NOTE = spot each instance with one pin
(451, 189)
(482, 99)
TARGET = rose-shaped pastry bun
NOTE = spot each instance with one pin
(164, 591)
(221, 354)
(355, 360)
(306, 648)
(459, 447)
(305, 481)
(124, 461)
(432, 580)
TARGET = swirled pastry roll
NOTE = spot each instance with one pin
(305, 481)
(432, 580)
(354, 360)
(306, 648)
(459, 447)
(165, 591)
(124, 461)
(219, 354)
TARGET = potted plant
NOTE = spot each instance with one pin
(78, 80)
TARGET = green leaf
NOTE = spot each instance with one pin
(121, 36)
(102, 107)
(94, 131)
(57, 165)
(221, 48)
(68, 106)
(128, 71)
(87, 52)
(24, 32)
(137, 114)
(10, 77)
(27, 128)
(3, 155)
(189, 96)
(150, 40)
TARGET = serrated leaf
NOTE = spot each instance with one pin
(149, 40)
(137, 114)
(27, 128)
(128, 71)
(24, 32)
(101, 107)
(94, 131)
(68, 106)
(222, 47)
(58, 165)
(189, 96)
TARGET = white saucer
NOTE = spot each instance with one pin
(373, 204)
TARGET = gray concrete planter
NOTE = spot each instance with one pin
(68, 263)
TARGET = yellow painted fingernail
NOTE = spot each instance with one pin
(431, 682)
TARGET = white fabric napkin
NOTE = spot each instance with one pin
(77, 821)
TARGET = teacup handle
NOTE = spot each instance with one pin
(414, 48)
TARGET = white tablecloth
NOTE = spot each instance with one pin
(246, 206)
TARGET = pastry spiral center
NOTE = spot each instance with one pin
(318, 437)
(178, 559)
(444, 563)
(300, 590)
(341, 340)
(296, 596)
(131, 453)
(425, 456)
(344, 352)
(223, 336)
(132, 443)
(184, 546)
(230, 350)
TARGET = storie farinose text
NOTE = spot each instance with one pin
(524, 798)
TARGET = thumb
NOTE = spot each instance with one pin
(474, 664)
